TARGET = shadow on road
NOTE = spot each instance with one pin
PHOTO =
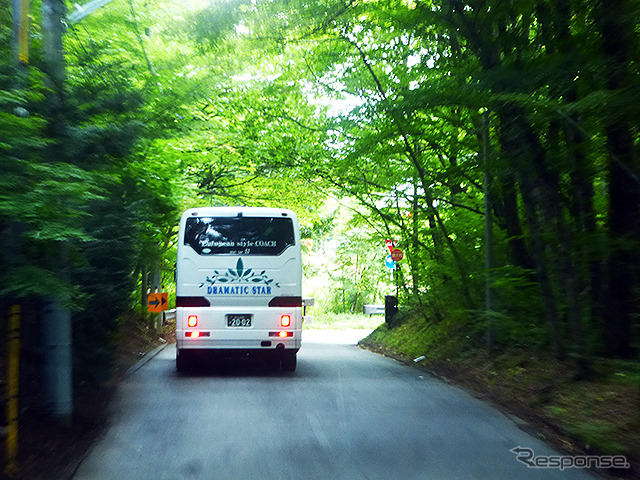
(214, 366)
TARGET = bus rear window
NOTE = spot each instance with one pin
(239, 235)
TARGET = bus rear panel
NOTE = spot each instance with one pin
(238, 284)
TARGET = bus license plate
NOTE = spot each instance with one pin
(238, 320)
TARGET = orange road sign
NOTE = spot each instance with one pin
(157, 302)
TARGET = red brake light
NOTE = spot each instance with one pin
(285, 320)
(194, 334)
(282, 334)
(192, 321)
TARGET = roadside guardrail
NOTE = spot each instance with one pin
(374, 310)
(307, 302)
(168, 316)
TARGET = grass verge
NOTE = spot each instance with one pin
(598, 416)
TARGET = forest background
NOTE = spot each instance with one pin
(496, 144)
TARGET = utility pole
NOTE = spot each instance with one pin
(56, 316)
(53, 29)
(56, 330)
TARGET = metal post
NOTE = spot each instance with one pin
(144, 286)
(12, 391)
(390, 309)
(21, 29)
(156, 287)
(20, 49)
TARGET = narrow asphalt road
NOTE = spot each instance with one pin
(344, 414)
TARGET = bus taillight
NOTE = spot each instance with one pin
(282, 334)
(285, 320)
(196, 334)
(192, 321)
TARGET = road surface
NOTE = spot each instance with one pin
(344, 414)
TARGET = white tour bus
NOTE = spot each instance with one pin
(238, 284)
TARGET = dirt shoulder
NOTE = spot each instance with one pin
(50, 451)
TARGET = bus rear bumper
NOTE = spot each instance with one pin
(197, 355)
(213, 340)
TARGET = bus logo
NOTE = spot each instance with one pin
(227, 282)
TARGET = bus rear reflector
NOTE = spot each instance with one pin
(192, 302)
(286, 302)
(281, 334)
(192, 321)
(197, 334)
(285, 320)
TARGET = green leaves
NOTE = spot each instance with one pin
(283, 103)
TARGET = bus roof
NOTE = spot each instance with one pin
(235, 211)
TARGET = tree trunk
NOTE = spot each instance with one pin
(510, 218)
(624, 184)
(515, 151)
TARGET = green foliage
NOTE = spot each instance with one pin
(412, 150)
(396, 108)
(597, 435)
(344, 265)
